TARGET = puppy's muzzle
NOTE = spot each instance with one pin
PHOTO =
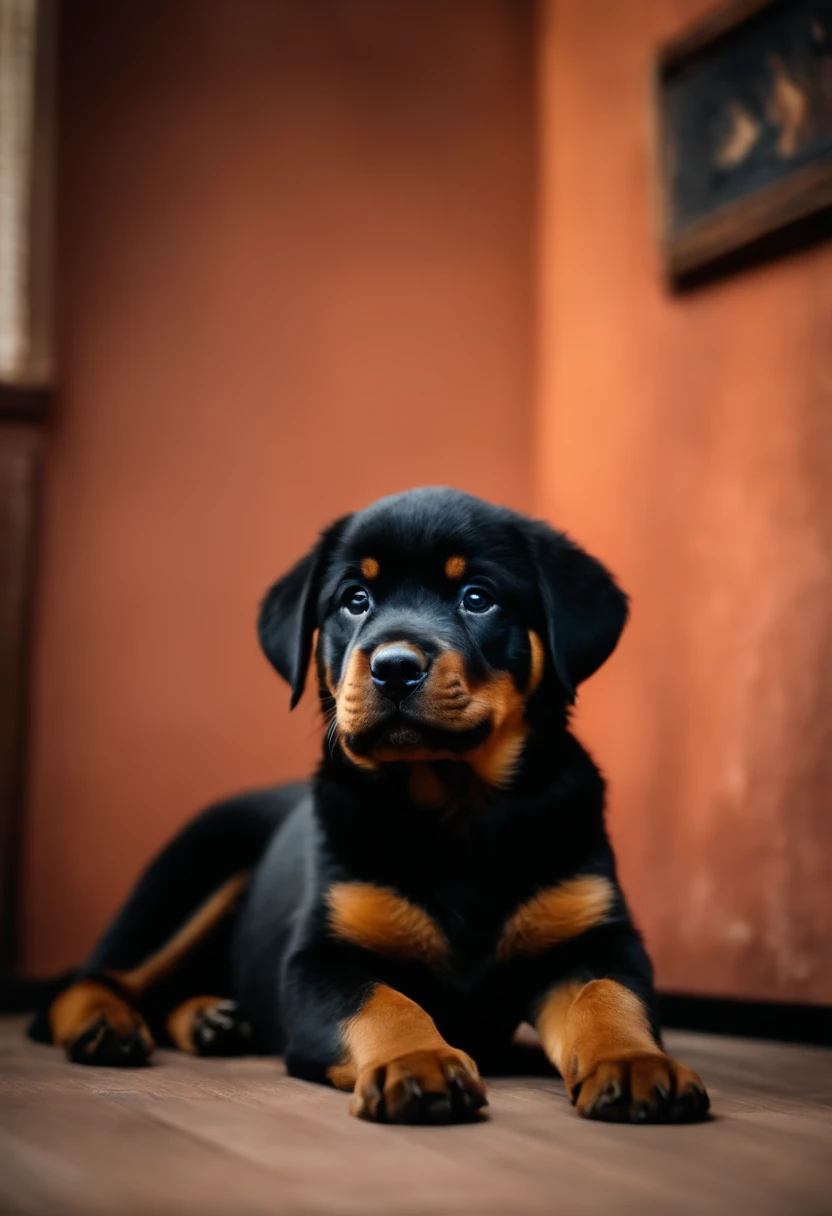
(397, 669)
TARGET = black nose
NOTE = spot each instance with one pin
(397, 670)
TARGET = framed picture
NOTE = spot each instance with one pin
(745, 134)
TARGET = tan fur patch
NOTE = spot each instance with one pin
(555, 915)
(354, 705)
(379, 919)
(496, 760)
(355, 695)
(451, 702)
(169, 956)
(581, 1025)
(538, 662)
(181, 1021)
(369, 567)
(388, 1026)
(500, 701)
(425, 786)
(86, 1002)
(455, 567)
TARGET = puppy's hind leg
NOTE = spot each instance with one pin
(184, 896)
(95, 1024)
(95, 1019)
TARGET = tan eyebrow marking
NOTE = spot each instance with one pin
(455, 567)
(369, 567)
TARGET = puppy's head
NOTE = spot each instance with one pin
(440, 619)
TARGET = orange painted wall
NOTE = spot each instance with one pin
(296, 273)
(298, 270)
(688, 440)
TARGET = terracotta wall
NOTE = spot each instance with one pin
(296, 274)
(689, 441)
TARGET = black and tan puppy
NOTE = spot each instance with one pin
(445, 877)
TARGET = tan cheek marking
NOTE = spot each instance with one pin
(351, 705)
(581, 1025)
(388, 1026)
(455, 567)
(379, 919)
(369, 567)
(555, 915)
(354, 693)
(496, 760)
(453, 704)
(538, 661)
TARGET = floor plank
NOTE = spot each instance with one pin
(239, 1137)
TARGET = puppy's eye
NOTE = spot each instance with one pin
(355, 601)
(475, 599)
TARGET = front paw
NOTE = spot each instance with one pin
(432, 1086)
(641, 1088)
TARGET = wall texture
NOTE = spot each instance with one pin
(689, 442)
(296, 274)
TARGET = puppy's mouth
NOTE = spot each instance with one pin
(400, 735)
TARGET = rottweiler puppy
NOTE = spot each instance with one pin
(445, 877)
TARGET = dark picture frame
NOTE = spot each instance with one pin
(744, 117)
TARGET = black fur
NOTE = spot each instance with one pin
(468, 866)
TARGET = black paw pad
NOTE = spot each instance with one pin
(105, 1046)
(221, 1030)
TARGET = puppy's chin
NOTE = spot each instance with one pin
(400, 738)
(399, 734)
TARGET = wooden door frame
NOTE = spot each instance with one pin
(21, 447)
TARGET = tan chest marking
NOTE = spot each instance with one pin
(555, 915)
(379, 919)
(425, 786)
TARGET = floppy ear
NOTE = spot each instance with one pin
(289, 613)
(585, 610)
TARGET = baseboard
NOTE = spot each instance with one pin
(751, 1019)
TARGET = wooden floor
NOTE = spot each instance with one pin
(239, 1137)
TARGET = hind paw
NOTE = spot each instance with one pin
(95, 1026)
(210, 1026)
(103, 1044)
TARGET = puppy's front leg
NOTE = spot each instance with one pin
(599, 1037)
(400, 1068)
(381, 1045)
